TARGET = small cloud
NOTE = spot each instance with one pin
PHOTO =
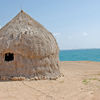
(85, 34)
(56, 34)
(0, 27)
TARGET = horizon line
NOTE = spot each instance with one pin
(80, 49)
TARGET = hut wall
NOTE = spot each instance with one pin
(42, 68)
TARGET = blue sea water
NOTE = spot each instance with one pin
(80, 55)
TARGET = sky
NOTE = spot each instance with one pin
(74, 23)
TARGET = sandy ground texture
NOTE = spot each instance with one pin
(81, 81)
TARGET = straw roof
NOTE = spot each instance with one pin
(35, 49)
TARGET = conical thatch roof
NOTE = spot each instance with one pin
(35, 50)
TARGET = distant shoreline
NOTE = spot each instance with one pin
(79, 49)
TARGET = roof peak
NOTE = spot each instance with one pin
(24, 19)
(22, 11)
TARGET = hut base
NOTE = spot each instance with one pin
(15, 78)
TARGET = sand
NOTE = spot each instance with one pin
(81, 81)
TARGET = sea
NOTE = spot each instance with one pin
(80, 55)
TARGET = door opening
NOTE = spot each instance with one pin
(9, 56)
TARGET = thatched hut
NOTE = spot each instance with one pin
(27, 50)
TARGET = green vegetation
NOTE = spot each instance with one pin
(85, 81)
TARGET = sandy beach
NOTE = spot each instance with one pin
(81, 81)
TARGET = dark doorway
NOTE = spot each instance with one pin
(9, 57)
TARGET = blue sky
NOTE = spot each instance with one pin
(74, 23)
